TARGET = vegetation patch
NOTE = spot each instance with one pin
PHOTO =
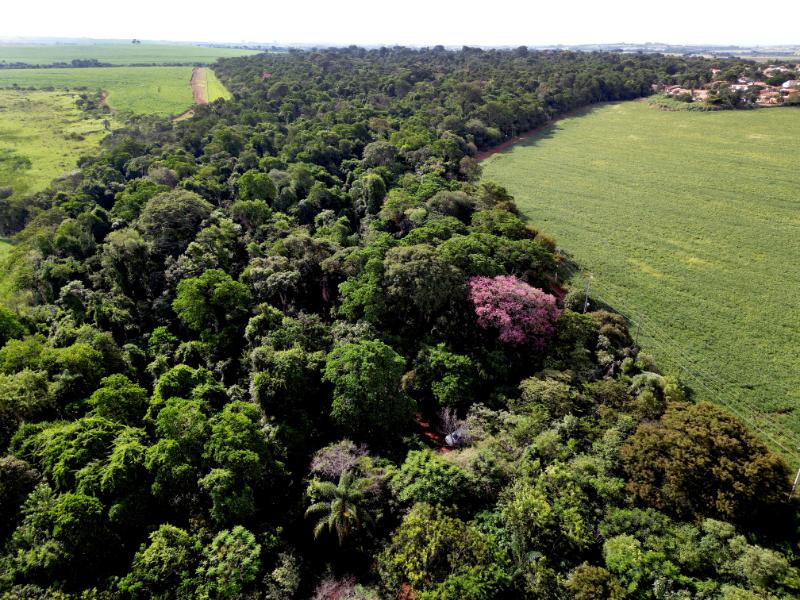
(690, 225)
(666, 102)
(42, 135)
(138, 90)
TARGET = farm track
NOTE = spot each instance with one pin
(199, 91)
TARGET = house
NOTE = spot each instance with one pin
(791, 84)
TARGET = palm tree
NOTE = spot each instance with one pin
(341, 506)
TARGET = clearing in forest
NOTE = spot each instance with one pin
(688, 222)
(139, 90)
(42, 135)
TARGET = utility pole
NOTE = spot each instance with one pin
(794, 485)
(638, 329)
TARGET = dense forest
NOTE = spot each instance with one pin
(294, 347)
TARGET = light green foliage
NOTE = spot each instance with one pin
(427, 477)
(10, 325)
(120, 400)
(238, 443)
(557, 513)
(138, 90)
(449, 376)
(230, 564)
(182, 429)
(363, 297)
(24, 395)
(116, 54)
(231, 502)
(129, 202)
(367, 399)
(90, 454)
(59, 536)
(182, 381)
(213, 305)
(254, 185)
(441, 557)
(686, 220)
(164, 567)
(555, 396)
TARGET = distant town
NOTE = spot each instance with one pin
(772, 85)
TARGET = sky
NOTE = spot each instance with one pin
(409, 22)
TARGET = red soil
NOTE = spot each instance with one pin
(197, 86)
(430, 434)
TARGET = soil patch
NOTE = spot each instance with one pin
(199, 85)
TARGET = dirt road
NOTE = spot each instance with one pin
(199, 85)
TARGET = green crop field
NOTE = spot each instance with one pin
(689, 223)
(212, 87)
(140, 90)
(116, 54)
(42, 135)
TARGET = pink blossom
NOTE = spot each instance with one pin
(520, 313)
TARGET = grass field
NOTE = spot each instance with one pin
(42, 135)
(116, 54)
(212, 87)
(140, 90)
(689, 223)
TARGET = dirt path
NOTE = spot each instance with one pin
(199, 95)
(199, 85)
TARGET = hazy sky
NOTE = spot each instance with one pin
(412, 22)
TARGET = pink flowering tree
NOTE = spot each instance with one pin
(520, 313)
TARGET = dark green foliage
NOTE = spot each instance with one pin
(10, 326)
(698, 460)
(213, 305)
(367, 399)
(120, 400)
(170, 220)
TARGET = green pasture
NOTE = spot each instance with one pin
(139, 90)
(117, 54)
(690, 224)
(42, 135)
